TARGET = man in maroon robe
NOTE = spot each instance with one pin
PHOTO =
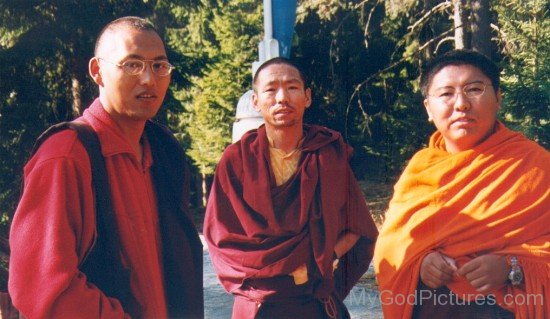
(287, 227)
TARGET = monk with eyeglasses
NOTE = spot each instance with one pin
(467, 233)
(143, 259)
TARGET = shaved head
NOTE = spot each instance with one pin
(277, 60)
(129, 97)
(132, 23)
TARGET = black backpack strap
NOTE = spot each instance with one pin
(102, 266)
(90, 141)
(181, 245)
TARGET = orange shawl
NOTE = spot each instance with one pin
(494, 198)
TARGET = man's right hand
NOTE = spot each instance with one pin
(437, 270)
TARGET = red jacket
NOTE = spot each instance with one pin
(53, 227)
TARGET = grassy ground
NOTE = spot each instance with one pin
(377, 194)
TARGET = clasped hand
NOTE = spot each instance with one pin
(484, 273)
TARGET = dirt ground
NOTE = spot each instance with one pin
(377, 194)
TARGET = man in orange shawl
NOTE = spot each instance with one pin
(467, 232)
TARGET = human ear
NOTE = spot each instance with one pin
(255, 101)
(95, 71)
(427, 107)
(499, 98)
(308, 97)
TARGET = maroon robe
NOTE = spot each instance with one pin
(258, 232)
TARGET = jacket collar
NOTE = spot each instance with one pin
(112, 139)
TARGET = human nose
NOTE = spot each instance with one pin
(281, 95)
(147, 77)
(461, 102)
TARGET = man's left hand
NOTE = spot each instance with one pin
(486, 272)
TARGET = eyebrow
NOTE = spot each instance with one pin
(452, 87)
(139, 57)
(289, 81)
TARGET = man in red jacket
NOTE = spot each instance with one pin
(287, 227)
(54, 237)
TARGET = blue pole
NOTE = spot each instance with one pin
(284, 18)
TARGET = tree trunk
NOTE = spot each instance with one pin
(461, 23)
(427, 33)
(79, 69)
(204, 190)
(481, 27)
(76, 88)
(7, 310)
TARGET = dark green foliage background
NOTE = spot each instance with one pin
(361, 59)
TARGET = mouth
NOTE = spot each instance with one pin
(146, 96)
(283, 109)
(463, 120)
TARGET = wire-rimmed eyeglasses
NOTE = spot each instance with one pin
(471, 91)
(136, 67)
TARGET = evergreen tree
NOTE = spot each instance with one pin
(358, 57)
(44, 52)
(226, 34)
(524, 36)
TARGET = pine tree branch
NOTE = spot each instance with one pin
(395, 64)
(366, 32)
(445, 39)
(440, 7)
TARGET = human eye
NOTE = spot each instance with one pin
(474, 89)
(133, 66)
(444, 93)
(161, 66)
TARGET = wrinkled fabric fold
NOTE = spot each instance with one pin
(257, 230)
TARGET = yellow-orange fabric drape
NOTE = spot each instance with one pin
(494, 198)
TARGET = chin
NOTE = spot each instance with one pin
(143, 116)
(285, 123)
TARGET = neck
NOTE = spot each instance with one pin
(285, 138)
(132, 131)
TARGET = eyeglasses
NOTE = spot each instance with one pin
(136, 67)
(471, 91)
